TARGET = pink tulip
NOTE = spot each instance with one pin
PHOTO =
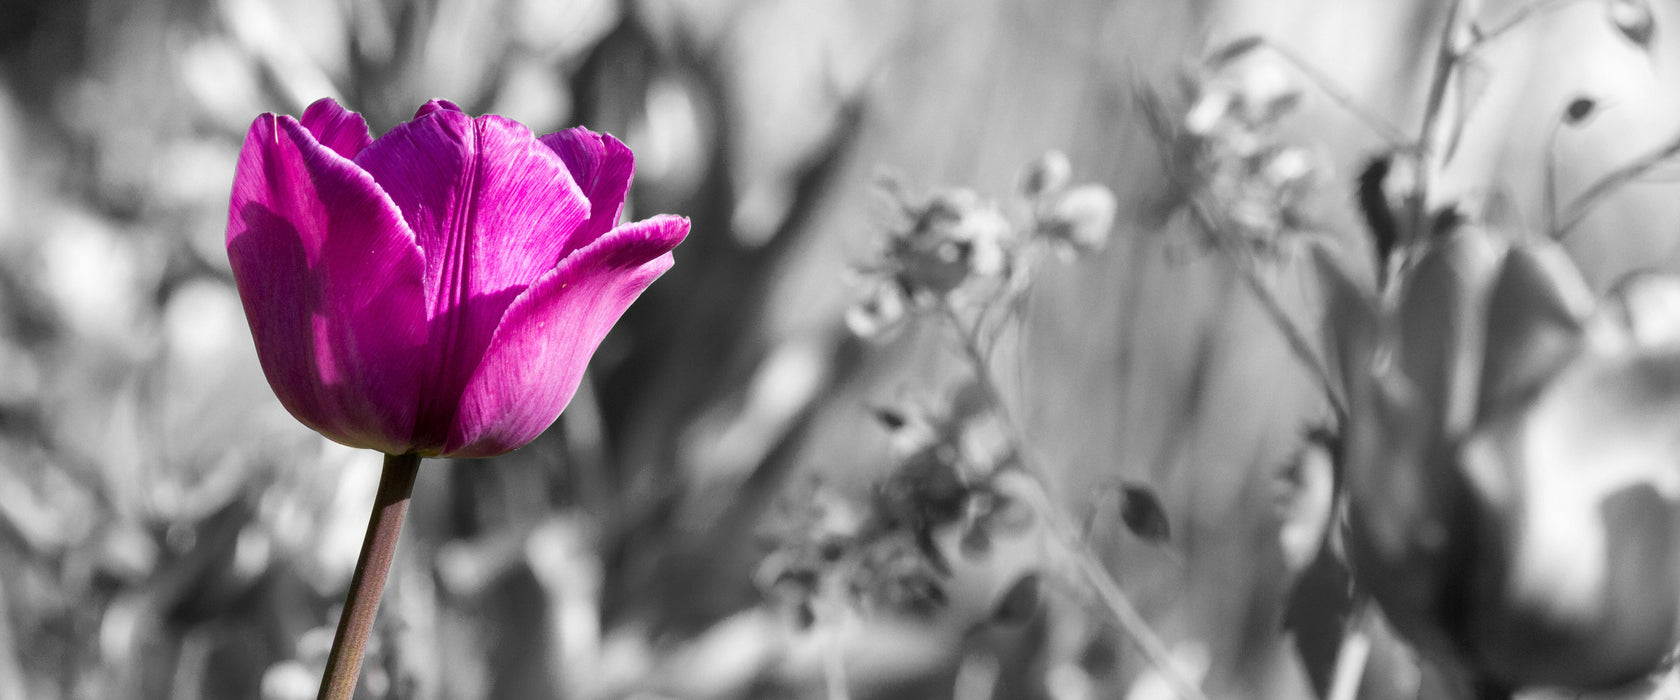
(439, 290)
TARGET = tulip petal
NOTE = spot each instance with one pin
(1349, 324)
(337, 128)
(1581, 590)
(492, 210)
(1441, 325)
(541, 348)
(330, 279)
(602, 166)
(1534, 320)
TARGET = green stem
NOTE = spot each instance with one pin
(361, 602)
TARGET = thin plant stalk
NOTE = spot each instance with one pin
(1351, 659)
(1300, 345)
(1384, 129)
(1069, 536)
(361, 602)
(1294, 336)
(1615, 179)
(1518, 18)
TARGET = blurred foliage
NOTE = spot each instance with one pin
(167, 531)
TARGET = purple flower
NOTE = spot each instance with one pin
(438, 290)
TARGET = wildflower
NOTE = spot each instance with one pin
(439, 290)
(954, 235)
(1076, 220)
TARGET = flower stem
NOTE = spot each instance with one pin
(379, 546)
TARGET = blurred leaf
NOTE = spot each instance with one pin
(1349, 320)
(1019, 602)
(1309, 499)
(977, 539)
(1141, 510)
(969, 400)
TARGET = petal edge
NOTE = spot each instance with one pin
(537, 357)
(329, 277)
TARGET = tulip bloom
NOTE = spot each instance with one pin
(437, 291)
(1513, 466)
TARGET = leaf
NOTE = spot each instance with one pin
(1020, 602)
(1141, 510)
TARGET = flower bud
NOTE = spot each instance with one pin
(954, 235)
(879, 314)
(1081, 218)
(1047, 175)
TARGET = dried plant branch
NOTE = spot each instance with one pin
(1518, 18)
(1066, 533)
(1446, 64)
(1390, 133)
(1296, 338)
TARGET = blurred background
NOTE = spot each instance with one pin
(168, 531)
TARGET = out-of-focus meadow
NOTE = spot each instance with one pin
(168, 531)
